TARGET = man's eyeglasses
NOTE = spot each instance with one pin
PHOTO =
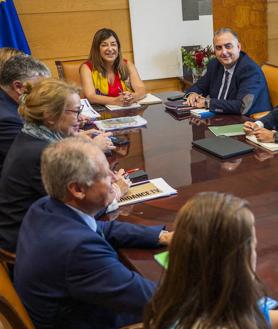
(77, 112)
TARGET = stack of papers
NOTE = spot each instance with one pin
(147, 190)
(128, 107)
(150, 99)
(228, 130)
(88, 110)
(121, 123)
(268, 146)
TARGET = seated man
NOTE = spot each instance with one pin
(233, 83)
(265, 129)
(67, 271)
(16, 72)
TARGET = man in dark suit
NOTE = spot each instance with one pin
(67, 271)
(265, 129)
(16, 72)
(233, 83)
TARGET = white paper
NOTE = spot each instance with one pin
(269, 146)
(121, 123)
(129, 107)
(160, 184)
(150, 99)
(88, 110)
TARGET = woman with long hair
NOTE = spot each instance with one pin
(106, 77)
(210, 281)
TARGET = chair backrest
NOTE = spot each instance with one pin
(7, 257)
(69, 70)
(11, 308)
(271, 75)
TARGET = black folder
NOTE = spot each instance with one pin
(223, 146)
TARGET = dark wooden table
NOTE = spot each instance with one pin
(164, 149)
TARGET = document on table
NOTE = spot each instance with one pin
(268, 146)
(228, 130)
(121, 123)
(88, 110)
(147, 190)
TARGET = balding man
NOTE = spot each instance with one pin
(67, 271)
(233, 83)
(15, 74)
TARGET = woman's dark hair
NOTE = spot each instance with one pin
(210, 281)
(94, 56)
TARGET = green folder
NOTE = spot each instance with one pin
(162, 258)
(228, 130)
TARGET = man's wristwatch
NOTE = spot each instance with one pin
(207, 103)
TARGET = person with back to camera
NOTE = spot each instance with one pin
(77, 275)
(8, 52)
(210, 281)
(16, 72)
(106, 77)
(50, 110)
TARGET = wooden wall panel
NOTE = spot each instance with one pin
(63, 30)
(54, 6)
(57, 35)
(272, 14)
(249, 19)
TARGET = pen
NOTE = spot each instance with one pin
(132, 170)
(140, 183)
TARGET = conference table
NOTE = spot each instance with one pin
(164, 149)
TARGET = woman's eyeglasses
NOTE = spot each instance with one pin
(77, 112)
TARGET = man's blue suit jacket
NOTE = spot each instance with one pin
(69, 276)
(247, 94)
(270, 121)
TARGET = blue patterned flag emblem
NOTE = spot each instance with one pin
(11, 32)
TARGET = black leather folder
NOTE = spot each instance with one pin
(223, 146)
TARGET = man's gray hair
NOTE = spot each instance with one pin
(22, 68)
(225, 30)
(73, 159)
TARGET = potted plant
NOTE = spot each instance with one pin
(197, 60)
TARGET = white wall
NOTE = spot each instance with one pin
(158, 32)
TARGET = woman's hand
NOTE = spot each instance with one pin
(104, 142)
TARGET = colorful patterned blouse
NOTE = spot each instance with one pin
(103, 87)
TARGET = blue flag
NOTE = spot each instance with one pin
(11, 33)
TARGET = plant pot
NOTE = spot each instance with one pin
(197, 73)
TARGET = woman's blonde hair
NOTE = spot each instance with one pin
(45, 99)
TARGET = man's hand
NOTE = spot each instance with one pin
(195, 100)
(249, 127)
(265, 135)
(165, 238)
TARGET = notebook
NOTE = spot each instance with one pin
(273, 147)
(202, 113)
(150, 99)
(132, 106)
(223, 146)
(228, 130)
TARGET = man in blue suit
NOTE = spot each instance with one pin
(233, 83)
(16, 73)
(67, 271)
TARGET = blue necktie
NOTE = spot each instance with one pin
(223, 92)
